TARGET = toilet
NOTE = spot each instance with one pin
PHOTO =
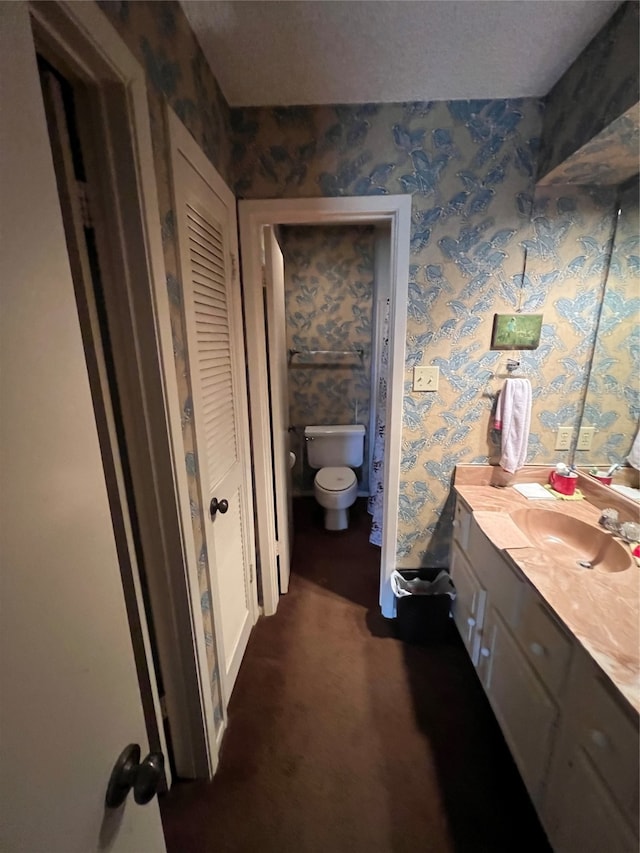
(335, 450)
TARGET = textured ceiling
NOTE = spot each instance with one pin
(321, 52)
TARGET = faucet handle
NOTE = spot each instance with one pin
(630, 531)
(609, 520)
(608, 514)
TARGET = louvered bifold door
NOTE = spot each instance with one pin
(213, 342)
(216, 368)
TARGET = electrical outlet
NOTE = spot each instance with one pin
(426, 378)
(563, 438)
(585, 437)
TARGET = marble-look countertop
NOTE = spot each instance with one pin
(601, 609)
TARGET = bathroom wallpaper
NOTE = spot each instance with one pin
(159, 36)
(329, 277)
(470, 168)
(573, 230)
(600, 86)
(612, 404)
(606, 160)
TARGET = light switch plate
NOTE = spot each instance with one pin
(563, 438)
(585, 437)
(426, 378)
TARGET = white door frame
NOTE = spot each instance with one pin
(279, 397)
(183, 147)
(79, 37)
(254, 216)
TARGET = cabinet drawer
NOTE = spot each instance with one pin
(546, 645)
(608, 734)
(468, 606)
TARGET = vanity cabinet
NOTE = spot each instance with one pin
(469, 604)
(572, 736)
(591, 798)
(461, 525)
(547, 646)
(525, 710)
(492, 603)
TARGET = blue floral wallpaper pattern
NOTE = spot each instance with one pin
(568, 257)
(161, 39)
(598, 88)
(328, 303)
(470, 169)
(608, 159)
(612, 403)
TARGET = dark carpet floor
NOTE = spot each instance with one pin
(342, 739)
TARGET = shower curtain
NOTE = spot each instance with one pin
(376, 478)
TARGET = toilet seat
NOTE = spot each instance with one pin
(336, 489)
(335, 479)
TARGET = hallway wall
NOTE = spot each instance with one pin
(159, 36)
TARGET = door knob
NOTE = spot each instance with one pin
(218, 506)
(127, 773)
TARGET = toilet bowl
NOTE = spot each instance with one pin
(330, 449)
(336, 490)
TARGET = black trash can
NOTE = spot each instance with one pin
(423, 619)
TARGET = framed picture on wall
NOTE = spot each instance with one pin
(516, 331)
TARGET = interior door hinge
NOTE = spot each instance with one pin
(250, 572)
(234, 267)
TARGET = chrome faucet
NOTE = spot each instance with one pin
(627, 530)
(609, 520)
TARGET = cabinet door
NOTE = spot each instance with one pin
(525, 711)
(505, 585)
(461, 524)
(591, 800)
(579, 814)
(468, 607)
(607, 733)
(547, 646)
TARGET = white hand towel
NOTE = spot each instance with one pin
(634, 457)
(513, 417)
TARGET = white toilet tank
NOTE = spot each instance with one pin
(335, 445)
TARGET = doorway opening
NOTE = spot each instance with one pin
(336, 314)
(267, 315)
(98, 121)
(79, 214)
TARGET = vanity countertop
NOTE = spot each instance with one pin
(601, 609)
